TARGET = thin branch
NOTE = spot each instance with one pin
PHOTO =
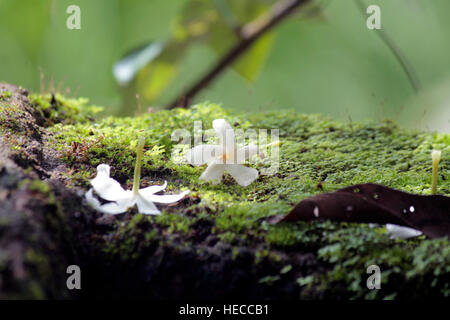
(250, 33)
(401, 58)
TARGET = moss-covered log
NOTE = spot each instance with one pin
(215, 243)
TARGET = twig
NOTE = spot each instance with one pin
(401, 58)
(250, 33)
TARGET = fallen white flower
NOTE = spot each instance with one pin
(224, 157)
(396, 231)
(110, 190)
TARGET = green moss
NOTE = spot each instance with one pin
(318, 155)
(10, 117)
(5, 95)
(418, 263)
(56, 108)
(131, 238)
(174, 222)
(39, 186)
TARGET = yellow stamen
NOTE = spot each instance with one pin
(224, 157)
(277, 143)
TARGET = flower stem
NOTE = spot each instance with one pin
(137, 168)
(436, 157)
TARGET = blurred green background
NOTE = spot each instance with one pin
(323, 59)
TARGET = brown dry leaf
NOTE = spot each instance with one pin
(373, 203)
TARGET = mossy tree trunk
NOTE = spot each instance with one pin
(215, 243)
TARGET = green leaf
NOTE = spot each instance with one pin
(125, 69)
(252, 62)
(158, 74)
(286, 269)
(214, 23)
(303, 281)
(153, 67)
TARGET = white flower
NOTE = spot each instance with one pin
(436, 156)
(110, 190)
(224, 157)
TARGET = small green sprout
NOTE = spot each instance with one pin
(436, 158)
(137, 167)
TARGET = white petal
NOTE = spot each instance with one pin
(247, 152)
(106, 187)
(115, 207)
(169, 198)
(146, 207)
(226, 134)
(213, 173)
(242, 174)
(91, 199)
(203, 154)
(111, 207)
(147, 192)
(396, 231)
(436, 156)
